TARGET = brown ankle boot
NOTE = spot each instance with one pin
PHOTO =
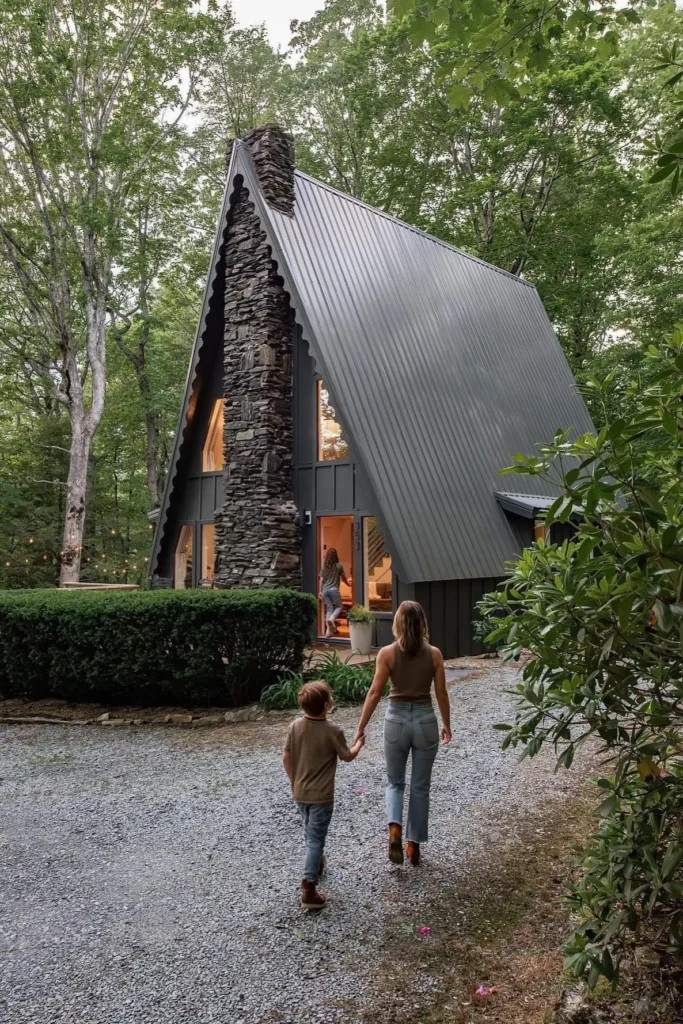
(311, 899)
(413, 851)
(395, 844)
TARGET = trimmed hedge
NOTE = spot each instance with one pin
(151, 647)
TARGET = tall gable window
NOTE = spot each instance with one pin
(212, 452)
(331, 444)
(183, 558)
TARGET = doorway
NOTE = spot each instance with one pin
(336, 532)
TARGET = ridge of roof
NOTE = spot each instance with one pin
(411, 227)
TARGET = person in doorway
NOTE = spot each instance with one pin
(331, 574)
(411, 665)
(310, 757)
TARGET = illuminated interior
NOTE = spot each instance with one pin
(212, 453)
(331, 444)
(337, 532)
(183, 559)
(208, 551)
(378, 572)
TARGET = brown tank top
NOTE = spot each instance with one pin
(411, 678)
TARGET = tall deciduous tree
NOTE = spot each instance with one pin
(89, 90)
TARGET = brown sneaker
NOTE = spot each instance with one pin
(311, 899)
(413, 851)
(395, 844)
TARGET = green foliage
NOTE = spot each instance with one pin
(349, 683)
(359, 613)
(482, 628)
(602, 618)
(668, 149)
(153, 647)
(504, 42)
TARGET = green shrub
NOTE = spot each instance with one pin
(154, 647)
(482, 629)
(602, 618)
(349, 683)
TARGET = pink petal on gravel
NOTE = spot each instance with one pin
(482, 991)
(361, 792)
(425, 931)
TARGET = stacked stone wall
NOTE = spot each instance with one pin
(258, 539)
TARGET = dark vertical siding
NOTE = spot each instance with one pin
(450, 607)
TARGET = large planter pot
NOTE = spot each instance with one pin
(361, 636)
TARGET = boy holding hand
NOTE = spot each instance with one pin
(310, 759)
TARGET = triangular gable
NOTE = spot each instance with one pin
(441, 368)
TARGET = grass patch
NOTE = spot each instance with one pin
(349, 683)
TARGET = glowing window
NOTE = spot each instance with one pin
(208, 551)
(183, 559)
(331, 444)
(212, 454)
(540, 531)
(378, 572)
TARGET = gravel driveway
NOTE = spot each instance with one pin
(151, 875)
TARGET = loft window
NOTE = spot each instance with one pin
(331, 444)
(212, 453)
(378, 572)
(208, 550)
(183, 559)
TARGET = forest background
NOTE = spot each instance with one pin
(547, 180)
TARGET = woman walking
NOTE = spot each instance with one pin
(330, 575)
(410, 725)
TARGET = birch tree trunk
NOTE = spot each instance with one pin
(83, 427)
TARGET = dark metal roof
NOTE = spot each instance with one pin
(441, 368)
(524, 505)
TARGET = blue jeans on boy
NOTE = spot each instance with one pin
(410, 728)
(317, 818)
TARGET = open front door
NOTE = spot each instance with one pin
(336, 532)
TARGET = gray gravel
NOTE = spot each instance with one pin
(151, 876)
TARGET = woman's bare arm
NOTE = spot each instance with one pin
(442, 695)
(374, 695)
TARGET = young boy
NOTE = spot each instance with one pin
(310, 760)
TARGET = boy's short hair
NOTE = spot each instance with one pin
(314, 696)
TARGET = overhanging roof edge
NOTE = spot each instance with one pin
(192, 368)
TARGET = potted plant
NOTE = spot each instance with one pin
(361, 627)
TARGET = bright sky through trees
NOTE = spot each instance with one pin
(277, 14)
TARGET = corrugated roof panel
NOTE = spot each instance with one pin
(443, 368)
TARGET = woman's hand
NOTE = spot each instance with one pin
(446, 734)
(360, 736)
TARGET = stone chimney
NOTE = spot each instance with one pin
(258, 539)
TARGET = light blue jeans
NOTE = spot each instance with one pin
(317, 818)
(410, 728)
(333, 603)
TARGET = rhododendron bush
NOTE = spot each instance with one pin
(601, 617)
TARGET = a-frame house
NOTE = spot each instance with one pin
(356, 383)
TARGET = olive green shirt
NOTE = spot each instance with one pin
(314, 745)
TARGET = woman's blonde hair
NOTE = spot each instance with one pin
(410, 627)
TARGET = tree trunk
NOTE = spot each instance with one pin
(83, 426)
(152, 457)
(74, 517)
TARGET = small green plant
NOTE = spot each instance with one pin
(358, 613)
(349, 683)
(482, 629)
